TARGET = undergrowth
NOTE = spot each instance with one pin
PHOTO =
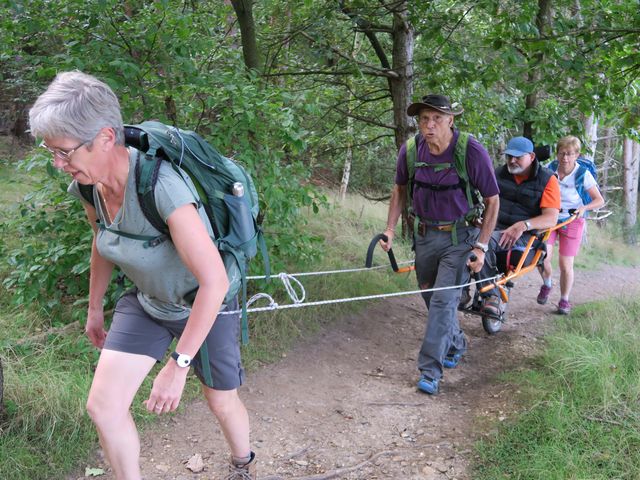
(580, 413)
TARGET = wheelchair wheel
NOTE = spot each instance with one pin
(491, 324)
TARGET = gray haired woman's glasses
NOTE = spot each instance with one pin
(62, 153)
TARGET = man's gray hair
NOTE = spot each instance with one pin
(76, 105)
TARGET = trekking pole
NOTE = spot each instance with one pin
(392, 258)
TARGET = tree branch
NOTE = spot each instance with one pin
(383, 72)
(364, 119)
(435, 55)
(365, 27)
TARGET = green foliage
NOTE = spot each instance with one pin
(47, 244)
(584, 419)
(164, 61)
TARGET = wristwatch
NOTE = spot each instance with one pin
(183, 360)
(481, 246)
(527, 225)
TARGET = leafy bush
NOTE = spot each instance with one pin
(47, 245)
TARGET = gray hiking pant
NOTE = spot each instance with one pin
(440, 263)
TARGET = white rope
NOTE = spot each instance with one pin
(298, 303)
(286, 280)
(328, 272)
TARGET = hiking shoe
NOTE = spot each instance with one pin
(491, 306)
(465, 298)
(452, 359)
(564, 307)
(243, 472)
(543, 296)
(428, 385)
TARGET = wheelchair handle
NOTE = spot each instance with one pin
(372, 246)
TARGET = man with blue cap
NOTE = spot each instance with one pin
(529, 201)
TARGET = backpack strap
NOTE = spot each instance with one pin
(580, 178)
(146, 178)
(474, 198)
(149, 241)
(412, 158)
(460, 161)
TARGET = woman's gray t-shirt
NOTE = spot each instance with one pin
(158, 272)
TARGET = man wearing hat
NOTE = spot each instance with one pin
(431, 167)
(529, 200)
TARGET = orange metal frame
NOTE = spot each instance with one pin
(520, 269)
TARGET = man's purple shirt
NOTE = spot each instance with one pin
(447, 205)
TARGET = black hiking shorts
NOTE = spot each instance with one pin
(217, 363)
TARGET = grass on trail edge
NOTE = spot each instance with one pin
(580, 415)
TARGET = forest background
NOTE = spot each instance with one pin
(311, 94)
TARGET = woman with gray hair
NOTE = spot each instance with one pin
(79, 118)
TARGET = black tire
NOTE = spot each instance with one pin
(491, 325)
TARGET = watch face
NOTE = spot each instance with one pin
(181, 359)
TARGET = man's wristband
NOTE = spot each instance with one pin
(527, 225)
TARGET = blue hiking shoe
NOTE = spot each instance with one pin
(452, 359)
(428, 385)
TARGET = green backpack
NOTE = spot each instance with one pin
(232, 210)
(474, 197)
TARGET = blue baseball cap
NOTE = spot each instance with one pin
(519, 146)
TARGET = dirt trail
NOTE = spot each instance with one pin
(348, 395)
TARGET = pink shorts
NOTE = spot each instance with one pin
(570, 237)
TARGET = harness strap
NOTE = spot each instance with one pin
(437, 167)
(243, 281)
(439, 188)
(206, 367)
(149, 241)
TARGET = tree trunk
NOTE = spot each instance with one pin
(543, 19)
(244, 12)
(631, 156)
(402, 85)
(607, 153)
(591, 135)
(346, 169)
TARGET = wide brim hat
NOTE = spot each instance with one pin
(435, 102)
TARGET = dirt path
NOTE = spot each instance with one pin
(348, 395)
